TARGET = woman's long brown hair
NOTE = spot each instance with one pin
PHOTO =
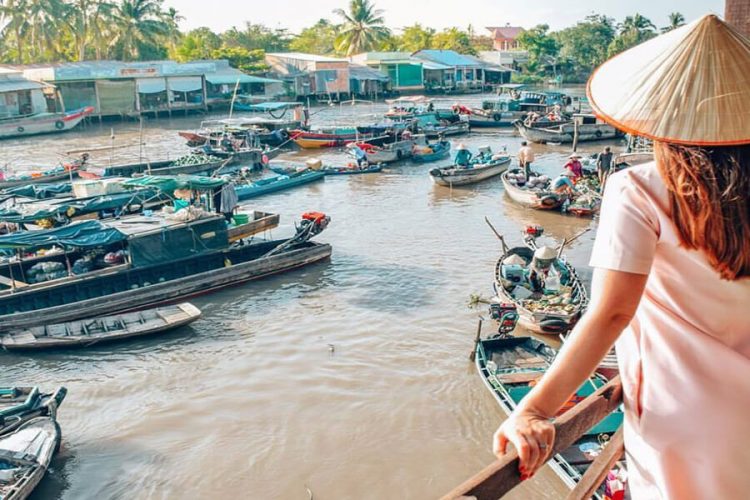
(709, 189)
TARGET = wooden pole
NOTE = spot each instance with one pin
(599, 468)
(575, 135)
(476, 341)
(501, 476)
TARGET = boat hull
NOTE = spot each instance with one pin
(43, 124)
(62, 176)
(254, 190)
(531, 199)
(462, 177)
(564, 134)
(31, 449)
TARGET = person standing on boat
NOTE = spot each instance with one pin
(526, 158)
(671, 273)
(463, 156)
(604, 166)
(575, 167)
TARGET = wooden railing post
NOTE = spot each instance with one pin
(501, 476)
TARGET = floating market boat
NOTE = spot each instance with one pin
(352, 170)
(189, 164)
(168, 259)
(589, 129)
(40, 191)
(18, 405)
(332, 137)
(290, 168)
(63, 172)
(277, 183)
(511, 366)
(85, 333)
(42, 123)
(546, 311)
(534, 193)
(432, 152)
(459, 176)
(25, 456)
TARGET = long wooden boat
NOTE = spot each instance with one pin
(166, 264)
(540, 199)
(511, 366)
(440, 150)
(164, 167)
(496, 119)
(62, 173)
(589, 129)
(25, 456)
(552, 314)
(446, 130)
(387, 153)
(453, 176)
(85, 333)
(21, 404)
(351, 169)
(328, 138)
(276, 184)
(42, 123)
(257, 222)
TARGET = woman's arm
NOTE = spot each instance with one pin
(615, 298)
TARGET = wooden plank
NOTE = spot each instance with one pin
(501, 476)
(519, 378)
(599, 468)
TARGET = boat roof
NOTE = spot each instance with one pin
(412, 99)
(84, 234)
(139, 225)
(274, 106)
(170, 183)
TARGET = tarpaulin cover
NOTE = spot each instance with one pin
(185, 83)
(169, 183)
(113, 201)
(178, 242)
(82, 234)
(40, 191)
(271, 106)
(151, 85)
(32, 213)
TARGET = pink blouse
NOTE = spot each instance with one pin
(685, 358)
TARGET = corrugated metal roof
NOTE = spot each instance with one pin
(391, 57)
(231, 77)
(446, 57)
(357, 72)
(304, 57)
(13, 85)
(433, 66)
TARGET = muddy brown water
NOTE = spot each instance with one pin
(349, 377)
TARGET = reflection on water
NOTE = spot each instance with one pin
(348, 377)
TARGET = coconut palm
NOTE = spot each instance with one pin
(172, 20)
(138, 24)
(13, 15)
(638, 24)
(363, 29)
(676, 20)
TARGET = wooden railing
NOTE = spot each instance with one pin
(501, 476)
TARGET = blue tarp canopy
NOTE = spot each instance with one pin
(89, 233)
(168, 183)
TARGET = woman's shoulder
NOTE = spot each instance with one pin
(643, 180)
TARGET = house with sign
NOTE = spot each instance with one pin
(310, 75)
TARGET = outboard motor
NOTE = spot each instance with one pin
(506, 316)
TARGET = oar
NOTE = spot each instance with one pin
(499, 236)
(476, 339)
(572, 239)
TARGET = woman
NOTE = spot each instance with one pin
(574, 166)
(672, 273)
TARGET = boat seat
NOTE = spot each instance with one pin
(519, 377)
(57, 330)
(518, 393)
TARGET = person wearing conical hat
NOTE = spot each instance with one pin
(463, 156)
(574, 166)
(671, 273)
(541, 263)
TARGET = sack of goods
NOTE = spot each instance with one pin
(314, 163)
(46, 271)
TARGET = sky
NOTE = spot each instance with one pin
(294, 15)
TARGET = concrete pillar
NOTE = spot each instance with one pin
(737, 13)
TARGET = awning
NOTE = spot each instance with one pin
(150, 85)
(13, 85)
(83, 234)
(185, 83)
(232, 78)
(364, 73)
(169, 183)
(433, 66)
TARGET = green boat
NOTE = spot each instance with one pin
(18, 405)
(277, 183)
(511, 366)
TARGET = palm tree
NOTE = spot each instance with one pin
(172, 19)
(638, 24)
(676, 19)
(363, 29)
(138, 24)
(13, 15)
(101, 20)
(44, 27)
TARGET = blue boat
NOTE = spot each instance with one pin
(440, 150)
(278, 183)
(372, 169)
(21, 404)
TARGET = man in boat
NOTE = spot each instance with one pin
(463, 156)
(359, 155)
(563, 185)
(540, 266)
(604, 166)
(226, 144)
(526, 158)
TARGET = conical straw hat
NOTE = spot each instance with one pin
(545, 253)
(689, 86)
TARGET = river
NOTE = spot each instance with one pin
(349, 378)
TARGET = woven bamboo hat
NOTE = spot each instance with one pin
(689, 86)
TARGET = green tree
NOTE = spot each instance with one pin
(13, 14)
(138, 29)
(363, 28)
(676, 20)
(541, 46)
(249, 61)
(453, 39)
(633, 31)
(414, 38)
(199, 43)
(584, 46)
(257, 36)
(317, 39)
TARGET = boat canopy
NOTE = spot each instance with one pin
(413, 99)
(169, 183)
(272, 106)
(40, 191)
(84, 234)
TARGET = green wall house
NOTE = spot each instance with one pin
(404, 72)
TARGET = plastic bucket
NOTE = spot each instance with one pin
(240, 219)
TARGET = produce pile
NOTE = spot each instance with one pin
(537, 183)
(194, 159)
(560, 303)
(46, 271)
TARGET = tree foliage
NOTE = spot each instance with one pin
(453, 39)
(414, 38)
(363, 28)
(584, 46)
(319, 38)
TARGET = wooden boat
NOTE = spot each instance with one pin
(539, 198)
(189, 164)
(290, 168)
(456, 176)
(549, 314)
(387, 153)
(354, 170)
(21, 404)
(85, 333)
(492, 119)
(25, 456)
(440, 150)
(276, 184)
(257, 222)
(328, 138)
(64, 172)
(446, 130)
(589, 129)
(511, 366)
(167, 262)
(42, 123)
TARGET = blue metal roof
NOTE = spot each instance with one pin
(447, 57)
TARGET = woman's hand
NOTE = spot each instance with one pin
(533, 436)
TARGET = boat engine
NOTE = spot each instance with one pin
(535, 231)
(313, 223)
(506, 316)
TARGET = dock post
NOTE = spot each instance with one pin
(476, 340)
(575, 135)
